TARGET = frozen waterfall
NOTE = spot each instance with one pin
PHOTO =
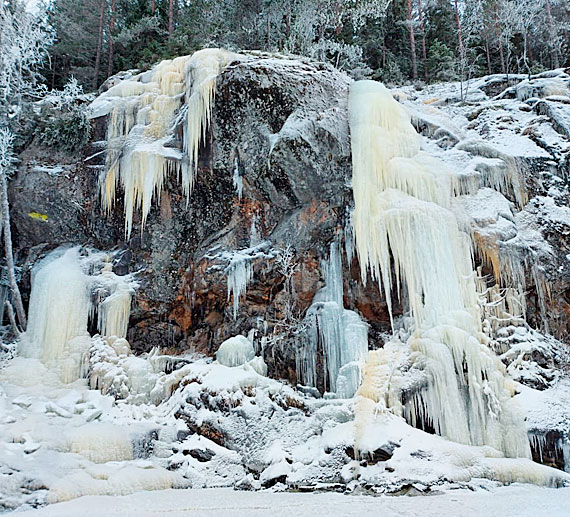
(402, 217)
(68, 289)
(59, 313)
(143, 112)
(341, 333)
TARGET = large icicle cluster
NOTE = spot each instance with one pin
(341, 333)
(144, 111)
(67, 290)
(401, 216)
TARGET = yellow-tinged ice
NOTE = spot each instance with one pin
(409, 241)
(142, 122)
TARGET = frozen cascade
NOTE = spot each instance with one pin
(143, 112)
(342, 333)
(64, 296)
(401, 214)
(58, 314)
(115, 309)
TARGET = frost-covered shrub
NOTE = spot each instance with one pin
(68, 131)
(343, 56)
(63, 123)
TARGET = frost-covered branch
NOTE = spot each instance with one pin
(24, 41)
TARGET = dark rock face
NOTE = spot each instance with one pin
(283, 124)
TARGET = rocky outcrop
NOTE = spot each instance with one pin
(280, 126)
(279, 132)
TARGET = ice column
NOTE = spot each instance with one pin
(341, 332)
(58, 313)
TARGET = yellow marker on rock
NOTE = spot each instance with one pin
(36, 215)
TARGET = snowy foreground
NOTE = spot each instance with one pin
(517, 500)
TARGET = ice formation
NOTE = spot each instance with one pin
(143, 113)
(68, 289)
(59, 313)
(341, 333)
(238, 266)
(115, 309)
(237, 179)
(235, 351)
(401, 215)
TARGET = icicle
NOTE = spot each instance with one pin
(542, 292)
(239, 274)
(342, 334)
(141, 124)
(254, 237)
(115, 309)
(348, 236)
(506, 179)
(401, 215)
(237, 180)
(203, 68)
(239, 268)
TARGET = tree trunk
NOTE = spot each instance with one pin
(488, 53)
(170, 17)
(459, 35)
(288, 20)
(553, 49)
(99, 45)
(16, 296)
(412, 42)
(498, 32)
(12, 319)
(422, 28)
(152, 7)
(111, 42)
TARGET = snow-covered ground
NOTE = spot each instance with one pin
(519, 500)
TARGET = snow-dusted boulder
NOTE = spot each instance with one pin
(235, 351)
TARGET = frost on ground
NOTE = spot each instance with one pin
(514, 500)
(213, 426)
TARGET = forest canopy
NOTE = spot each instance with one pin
(389, 40)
